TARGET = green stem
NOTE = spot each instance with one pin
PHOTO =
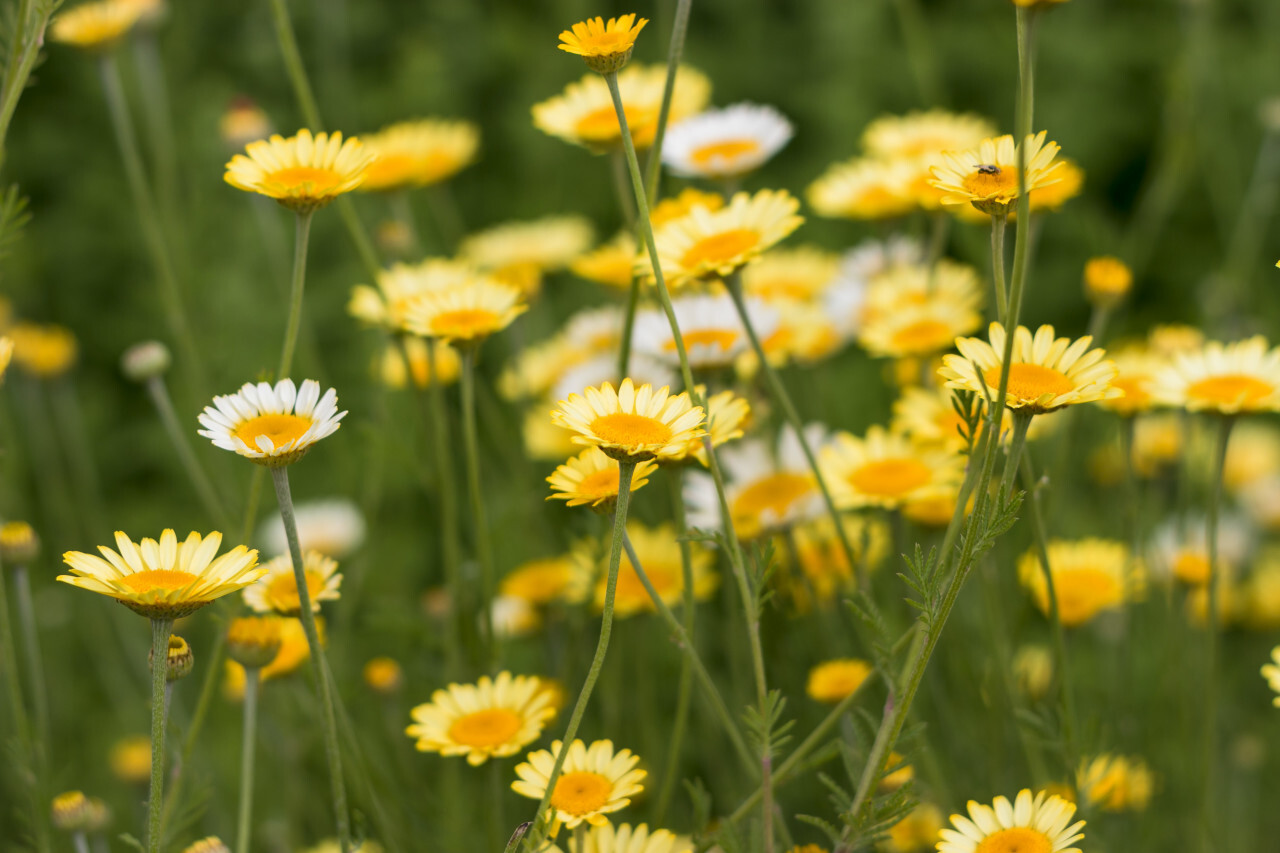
(653, 163)
(1021, 423)
(1098, 318)
(625, 469)
(159, 393)
(479, 516)
(402, 211)
(301, 236)
(293, 64)
(9, 663)
(35, 666)
(155, 109)
(919, 52)
(280, 479)
(252, 680)
(213, 669)
(1209, 686)
(24, 51)
(998, 223)
(447, 491)
(160, 631)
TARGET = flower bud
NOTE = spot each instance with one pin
(145, 360)
(254, 641)
(71, 811)
(1106, 281)
(180, 660)
(383, 675)
(19, 543)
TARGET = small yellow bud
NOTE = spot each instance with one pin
(71, 812)
(254, 641)
(180, 659)
(212, 844)
(1033, 670)
(130, 759)
(1106, 281)
(383, 675)
(19, 543)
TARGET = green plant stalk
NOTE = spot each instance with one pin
(24, 50)
(35, 665)
(80, 842)
(155, 108)
(479, 515)
(207, 689)
(338, 790)
(252, 681)
(448, 488)
(160, 631)
(998, 223)
(301, 236)
(159, 394)
(1021, 423)
(653, 163)
(1245, 245)
(68, 420)
(402, 212)
(938, 233)
(920, 54)
(1098, 318)
(9, 663)
(626, 468)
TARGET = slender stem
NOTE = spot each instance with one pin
(998, 223)
(160, 631)
(301, 235)
(402, 210)
(1021, 423)
(1098, 318)
(580, 838)
(280, 479)
(9, 663)
(622, 187)
(447, 491)
(252, 680)
(24, 50)
(479, 515)
(155, 109)
(920, 53)
(207, 690)
(653, 164)
(35, 665)
(625, 470)
(208, 494)
(293, 64)
(1209, 773)
(938, 233)
(80, 842)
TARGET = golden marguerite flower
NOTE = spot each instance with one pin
(625, 838)
(821, 571)
(387, 303)
(706, 243)
(631, 424)
(518, 253)
(277, 592)
(886, 469)
(164, 579)
(254, 641)
(273, 426)
(43, 351)
(594, 781)
(1271, 672)
(492, 718)
(210, 844)
(419, 153)
(303, 172)
(1068, 183)
(130, 759)
(1035, 824)
(727, 417)
(929, 417)
(659, 552)
(604, 46)
(539, 581)
(917, 331)
(242, 123)
(464, 316)
(833, 680)
(1229, 379)
(801, 274)
(19, 543)
(610, 264)
(677, 206)
(1107, 280)
(383, 675)
(710, 329)
(1115, 783)
(391, 368)
(1089, 576)
(1046, 373)
(987, 176)
(591, 478)
(1136, 369)
(906, 285)
(94, 26)
(921, 133)
(71, 811)
(294, 651)
(863, 188)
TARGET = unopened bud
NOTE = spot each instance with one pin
(212, 844)
(383, 675)
(143, 361)
(254, 641)
(71, 811)
(19, 543)
(180, 660)
(1106, 280)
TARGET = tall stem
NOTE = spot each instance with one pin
(998, 223)
(252, 680)
(160, 630)
(479, 515)
(9, 663)
(205, 490)
(24, 50)
(446, 489)
(35, 665)
(653, 165)
(338, 790)
(301, 236)
(920, 53)
(207, 689)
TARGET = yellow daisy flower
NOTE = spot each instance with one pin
(658, 549)
(1136, 368)
(383, 675)
(594, 781)
(43, 351)
(1047, 373)
(591, 478)
(1036, 824)
(929, 417)
(242, 123)
(130, 759)
(1115, 783)
(391, 366)
(255, 640)
(537, 368)
(273, 426)
(519, 253)
(863, 188)
(605, 838)
(605, 47)
(277, 592)
(164, 579)
(492, 718)
(539, 582)
(1089, 576)
(6, 354)
(707, 243)
(418, 153)
(821, 570)
(907, 285)
(921, 133)
(727, 416)
(1107, 280)
(886, 470)
(675, 207)
(464, 315)
(833, 680)
(791, 275)
(710, 328)
(71, 811)
(632, 424)
(1068, 183)
(94, 26)
(303, 172)
(917, 331)
(987, 176)
(1243, 376)
(1271, 672)
(387, 303)
(294, 651)
(211, 844)
(610, 264)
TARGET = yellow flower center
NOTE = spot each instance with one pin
(729, 149)
(154, 580)
(490, 727)
(1233, 389)
(465, 323)
(1020, 839)
(279, 429)
(1002, 183)
(1030, 382)
(1082, 593)
(599, 484)
(773, 495)
(602, 125)
(720, 248)
(876, 200)
(923, 336)
(282, 591)
(890, 478)
(721, 339)
(303, 180)
(581, 793)
(389, 169)
(623, 429)
(1191, 568)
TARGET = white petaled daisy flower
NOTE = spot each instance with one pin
(464, 315)
(594, 781)
(870, 258)
(595, 330)
(710, 328)
(631, 424)
(888, 470)
(386, 304)
(1271, 672)
(987, 176)
(303, 172)
(273, 426)
(725, 143)
(627, 839)
(334, 527)
(492, 718)
(1046, 373)
(1030, 824)
(277, 591)
(1243, 376)
(591, 478)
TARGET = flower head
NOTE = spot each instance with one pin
(419, 153)
(987, 176)
(464, 315)
(303, 172)
(332, 526)
(624, 838)
(659, 552)
(1035, 824)
(1089, 576)
(95, 26)
(254, 641)
(400, 284)
(538, 581)
(631, 424)
(884, 469)
(591, 478)
(1243, 376)
(1115, 783)
(1106, 280)
(277, 592)
(864, 188)
(725, 143)
(920, 134)
(492, 718)
(594, 781)
(604, 46)
(43, 351)
(833, 680)
(273, 426)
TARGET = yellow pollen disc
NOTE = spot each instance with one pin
(1230, 389)
(282, 592)
(877, 199)
(307, 178)
(1020, 839)
(923, 336)
(1030, 382)
(1003, 184)
(1191, 568)
(464, 323)
(581, 793)
(608, 42)
(1082, 593)
(153, 580)
(599, 484)
(720, 338)
(890, 478)
(281, 429)
(720, 248)
(490, 727)
(774, 494)
(729, 149)
(622, 429)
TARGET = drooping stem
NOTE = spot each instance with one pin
(35, 665)
(301, 236)
(252, 680)
(338, 789)
(160, 631)
(208, 494)
(479, 515)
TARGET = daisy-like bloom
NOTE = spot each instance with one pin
(1033, 825)
(604, 46)
(822, 571)
(537, 368)
(397, 286)
(277, 592)
(603, 368)
(910, 285)
(1254, 453)
(539, 582)
(1033, 670)
(242, 123)
(1068, 183)
(624, 838)
(918, 134)
(710, 328)
(1271, 672)
(70, 811)
(591, 479)
(333, 526)
(917, 330)
(675, 207)
(418, 153)
(885, 469)
(584, 114)
(19, 543)
(594, 781)
(631, 424)
(987, 176)
(1089, 576)
(390, 367)
(596, 330)
(1046, 374)
(292, 654)
(383, 675)
(833, 680)
(211, 844)
(1180, 548)
(273, 426)
(1136, 367)
(303, 172)
(929, 417)
(1173, 339)
(610, 264)
(727, 142)
(1107, 280)
(727, 415)
(165, 579)
(707, 243)
(794, 275)
(659, 552)
(916, 832)
(254, 641)
(464, 316)
(43, 351)
(521, 251)
(1226, 379)
(806, 333)
(94, 26)
(492, 718)
(1115, 783)
(863, 188)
